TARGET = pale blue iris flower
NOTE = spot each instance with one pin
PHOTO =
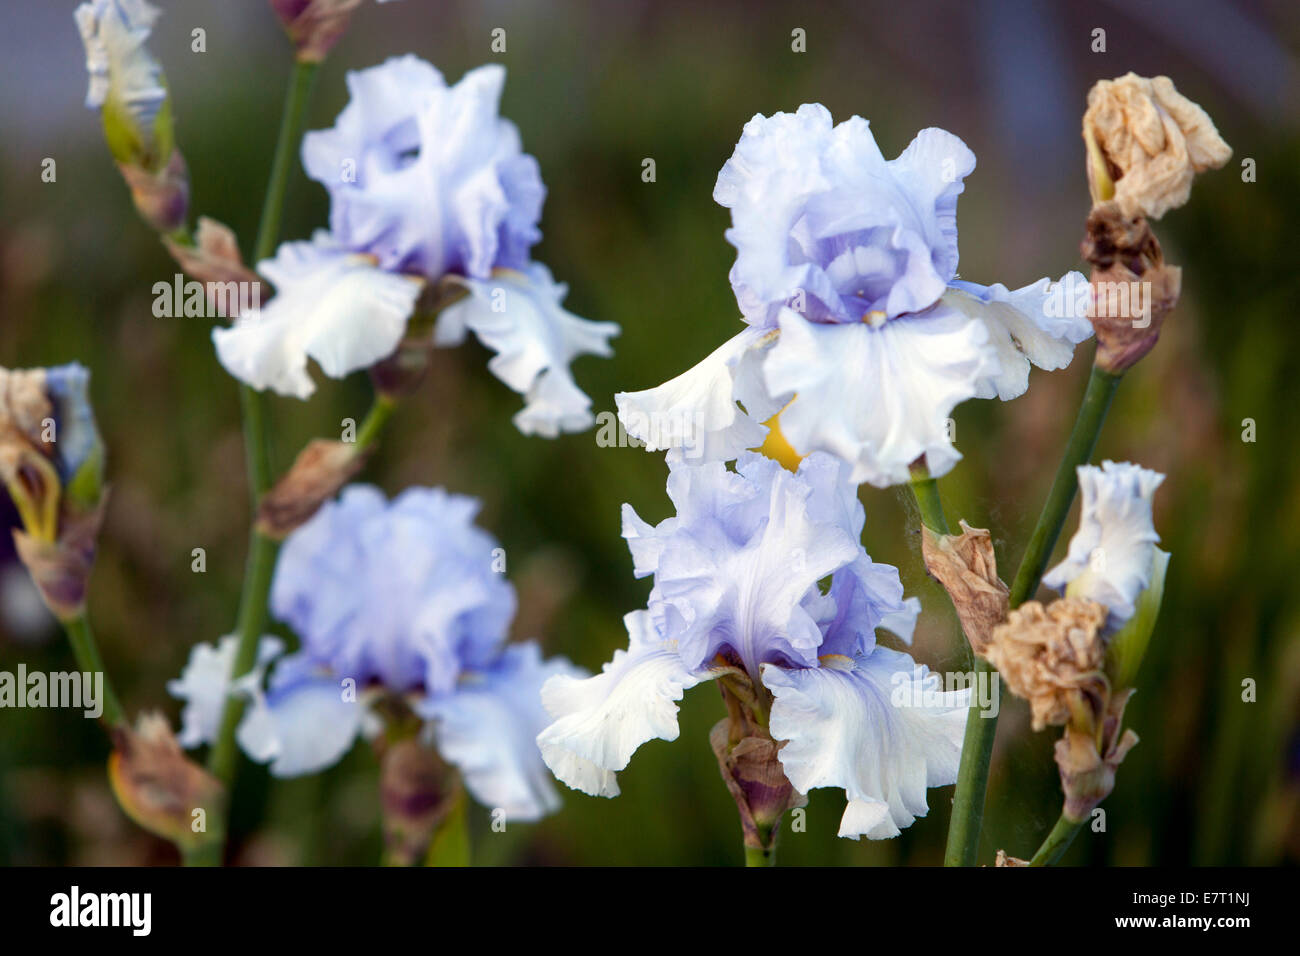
(401, 598)
(738, 587)
(857, 325)
(427, 184)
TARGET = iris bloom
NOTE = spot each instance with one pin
(399, 599)
(738, 595)
(427, 184)
(857, 325)
(1113, 555)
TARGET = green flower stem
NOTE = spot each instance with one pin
(1057, 842)
(251, 621)
(381, 410)
(1096, 402)
(757, 856)
(450, 845)
(926, 491)
(977, 748)
(86, 651)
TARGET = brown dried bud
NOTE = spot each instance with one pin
(161, 198)
(159, 787)
(757, 782)
(1147, 142)
(401, 373)
(61, 568)
(1003, 860)
(967, 567)
(1091, 750)
(416, 792)
(1051, 655)
(319, 471)
(214, 257)
(1132, 289)
(314, 26)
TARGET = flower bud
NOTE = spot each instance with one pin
(127, 86)
(417, 790)
(51, 462)
(1127, 647)
(159, 787)
(967, 567)
(319, 471)
(314, 26)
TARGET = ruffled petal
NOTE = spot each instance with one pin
(303, 724)
(205, 685)
(330, 306)
(878, 397)
(822, 224)
(519, 316)
(114, 33)
(1112, 555)
(600, 721)
(879, 727)
(733, 567)
(426, 177)
(488, 726)
(1037, 324)
(696, 414)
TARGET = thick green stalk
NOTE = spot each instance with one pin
(381, 410)
(981, 729)
(86, 651)
(1057, 842)
(926, 492)
(251, 621)
(757, 856)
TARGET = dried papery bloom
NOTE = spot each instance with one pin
(1132, 288)
(319, 471)
(1091, 750)
(158, 786)
(1004, 860)
(60, 569)
(161, 197)
(1051, 655)
(214, 256)
(1146, 143)
(967, 567)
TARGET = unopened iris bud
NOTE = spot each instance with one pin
(314, 26)
(127, 86)
(51, 463)
(159, 787)
(1125, 650)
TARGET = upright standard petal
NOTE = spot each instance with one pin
(879, 397)
(1112, 555)
(518, 315)
(824, 225)
(428, 178)
(488, 726)
(600, 721)
(1037, 325)
(879, 726)
(732, 569)
(331, 306)
(407, 594)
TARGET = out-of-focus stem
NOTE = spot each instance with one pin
(1057, 842)
(86, 652)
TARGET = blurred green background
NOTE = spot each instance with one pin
(596, 88)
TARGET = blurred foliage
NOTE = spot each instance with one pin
(596, 89)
